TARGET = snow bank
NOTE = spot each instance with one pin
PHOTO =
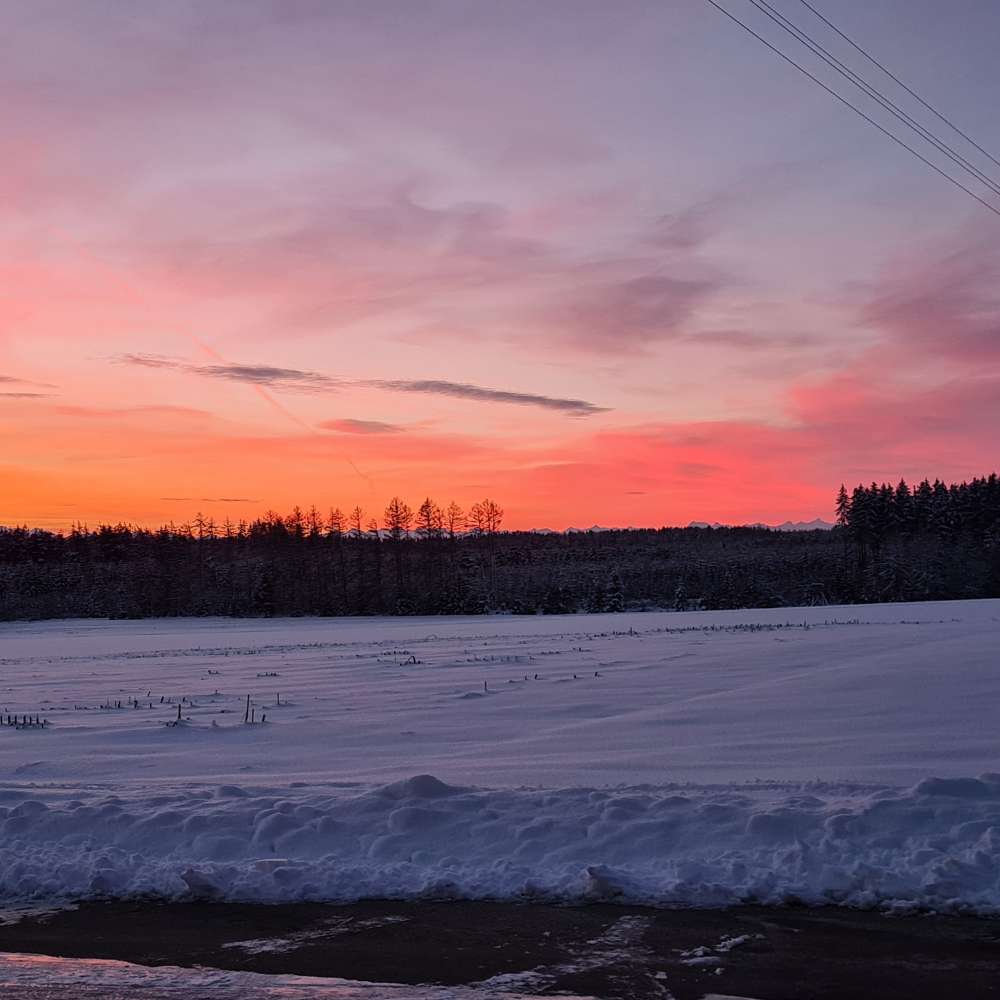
(692, 758)
(42, 977)
(936, 845)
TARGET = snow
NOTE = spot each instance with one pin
(708, 957)
(618, 945)
(830, 755)
(333, 927)
(45, 978)
(816, 524)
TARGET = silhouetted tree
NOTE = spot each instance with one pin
(892, 543)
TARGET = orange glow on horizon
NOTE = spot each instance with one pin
(250, 270)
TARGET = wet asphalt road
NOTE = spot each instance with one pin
(600, 951)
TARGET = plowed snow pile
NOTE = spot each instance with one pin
(825, 755)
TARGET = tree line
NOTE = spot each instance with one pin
(891, 543)
(930, 541)
(873, 514)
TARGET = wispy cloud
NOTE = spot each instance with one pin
(308, 381)
(267, 375)
(754, 339)
(942, 304)
(119, 412)
(633, 314)
(464, 390)
(29, 390)
(14, 380)
(210, 500)
(263, 375)
(148, 361)
(349, 425)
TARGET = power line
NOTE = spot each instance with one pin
(874, 93)
(892, 76)
(855, 108)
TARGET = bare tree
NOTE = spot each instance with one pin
(295, 522)
(314, 522)
(493, 514)
(335, 523)
(398, 519)
(357, 523)
(430, 520)
(376, 537)
(454, 520)
(486, 517)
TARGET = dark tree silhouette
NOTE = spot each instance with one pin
(893, 543)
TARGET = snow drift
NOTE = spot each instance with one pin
(691, 759)
(936, 845)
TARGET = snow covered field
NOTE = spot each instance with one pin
(830, 754)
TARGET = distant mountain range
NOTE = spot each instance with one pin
(579, 531)
(817, 524)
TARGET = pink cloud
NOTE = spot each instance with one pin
(631, 314)
(945, 304)
(349, 425)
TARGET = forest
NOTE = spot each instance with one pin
(891, 543)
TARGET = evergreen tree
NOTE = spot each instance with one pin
(843, 507)
(903, 509)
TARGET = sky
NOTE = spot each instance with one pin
(604, 263)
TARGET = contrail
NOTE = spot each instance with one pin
(261, 391)
(271, 401)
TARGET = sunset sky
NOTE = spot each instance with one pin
(606, 262)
